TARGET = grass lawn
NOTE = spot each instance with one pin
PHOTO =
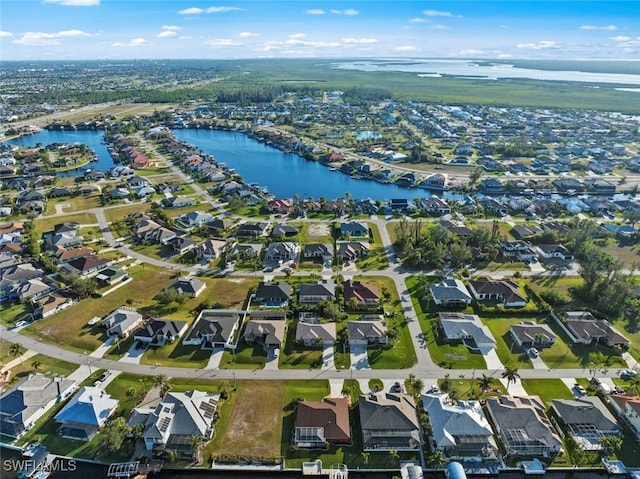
(470, 388)
(402, 354)
(121, 212)
(11, 313)
(254, 435)
(79, 203)
(508, 351)
(176, 355)
(247, 356)
(47, 366)
(69, 328)
(377, 258)
(46, 224)
(547, 389)
(449, 355)
(560, 284)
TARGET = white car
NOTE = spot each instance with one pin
(581, 391)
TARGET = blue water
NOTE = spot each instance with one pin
(92, 139)
(286, 174)
(368, 135)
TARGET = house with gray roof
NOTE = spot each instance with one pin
(523, 426)
(178, 417)
(459, 429)
(450, 292)
(158, 332)
(313, 251)
(192, 287)
(313, 293)
(468, 329)
(351, 250)
(315, 333)
(504, 291)
(122, 322)
(389, 422)
(32, 398)
(282, 251)
(584, 328)
(354, 229)
(86, 413)
(587, 420)
(367, 332)
(194, 219)
(213, 328)
(273, 294)
(268, 332)
(532, 335)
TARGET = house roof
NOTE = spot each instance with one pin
(354, 228)
(82, 264)
(527, 332)
(459, 325)
(450, 290)
(505, 287)
(523, 419)
(188, 285)
(316, 249)
(316, 331)
(451, 422)
(272, 290)
(323, 288)
(624, 400)
(332, 414)
(218, 326)
(386, 412)
(361, 330)
(90, 405)
(585, 326)
(272, 331)
(156, 327)
(360, 290)
(121, 319)
(588, 410)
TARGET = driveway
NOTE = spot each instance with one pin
(134, 355)
(327, 357)
(538, 363)
(359, 357)
(492, 360)
(272, 359)
(216, 357)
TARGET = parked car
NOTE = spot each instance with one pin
(396, 388)
(628, 374)
(581, 390)
(533, 352)
(434, 389)
(595, 381)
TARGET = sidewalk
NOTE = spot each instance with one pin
(18, 361)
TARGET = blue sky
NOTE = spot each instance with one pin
(117, 29)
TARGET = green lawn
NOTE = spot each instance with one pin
(452, 356)
(11, 313)
(176, 355)
(247, 356)
(121, 212)
(46, 224)
(69, 328)
(547, 389)
(377, 258)
(45, 365)
(508, 351)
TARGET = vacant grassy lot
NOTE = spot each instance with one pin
(628, 255)
(247, 356)
(176, 355)
(79, 203)
(547, 389)
(120, 212)
(43, 364)
(46, 224)
(69, 328)
(452, 356)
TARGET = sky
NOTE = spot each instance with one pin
(168, 29)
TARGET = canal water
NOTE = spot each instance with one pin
(282, 174)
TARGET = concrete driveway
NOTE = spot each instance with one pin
(492, 360)
(133, 355)
(328, 357)
(216, 357)
(359, 357)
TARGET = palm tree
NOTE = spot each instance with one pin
(365, 457)
(510, 374)
(195, 441)
(17, 350)
(36, 364)
(414, 385)
(454, 395)
(485, 383)
(393, 454)
(162, 382)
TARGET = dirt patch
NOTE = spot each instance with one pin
(318, 230)
(255, 434)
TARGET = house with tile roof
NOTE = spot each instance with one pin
(268, 332)
(389, 422)
(532, 335)
(468, 329)
(505, 291)
(213, 328)
(627, 407)
(584, 328)
(362, 292)
(367, 332)
(86, 413)
(450, 292)
(158, 332)
(122, 322)
(321, 422)
(314, 293)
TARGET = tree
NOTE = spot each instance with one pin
(365, 457)
(475, 175)
(393, 454)
(436, 460)
(454, 395)
(510, 374)
(415, 385)
(162, 382)
(445, 385)
(36, 363)
(114, 434)
(195, 442)
(485, 383)
(610, 444)
(17, 350)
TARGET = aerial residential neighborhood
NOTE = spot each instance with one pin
(318, 279)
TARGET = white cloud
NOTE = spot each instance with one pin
(351, 12)
(315, 11)
(169, 31)
(45, 39)
(306, 43)
(135, 42)
(4, 34)
(359, 41)
(406, 48)
(627, 43)
(419, 20)
(191, 11)
(505, 55)
(297, 35)
(221, 9)
(621, 38)
(270, 46)
(470, 52)
(596, 27)
(222, 43)
(438, 13)
(75, 3)
(248, 34)
(541, 45)
(439, 27)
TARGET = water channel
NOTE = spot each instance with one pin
(282, 174)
